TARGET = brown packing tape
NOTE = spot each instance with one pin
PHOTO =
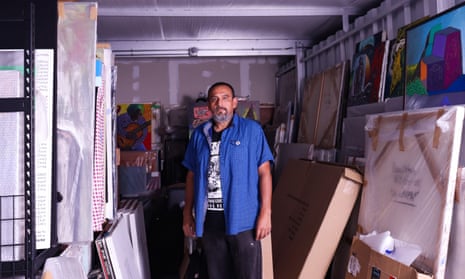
(437, 130)
(93, 13)
(103, 45)
(61, 10)
(373, 134)
(47, 275)
(458, 185)
(360, 229)
(401, 131)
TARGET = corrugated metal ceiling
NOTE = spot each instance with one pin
(222, 27)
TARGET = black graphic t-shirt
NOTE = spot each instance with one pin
(215, 196)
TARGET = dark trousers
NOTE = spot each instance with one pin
(230, 256)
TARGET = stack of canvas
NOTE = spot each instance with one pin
(134, 212)
(122, 249)
(410, 173)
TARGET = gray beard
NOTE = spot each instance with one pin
(222, 118)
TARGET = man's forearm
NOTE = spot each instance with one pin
(189, 193)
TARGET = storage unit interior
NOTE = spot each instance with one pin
(167, 52)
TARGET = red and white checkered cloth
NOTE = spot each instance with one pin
(98, 189)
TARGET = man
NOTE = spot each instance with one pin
(228, 188)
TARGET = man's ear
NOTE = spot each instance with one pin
(235, 101)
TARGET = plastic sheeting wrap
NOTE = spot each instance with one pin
(456, 254)
(77, 27)
(410, 172)
(63, 267)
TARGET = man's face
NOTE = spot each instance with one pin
(222, 103)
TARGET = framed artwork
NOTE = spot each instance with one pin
(395, 75)
(368, 71)
(134, 122)
(434, 61)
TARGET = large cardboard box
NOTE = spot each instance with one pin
(366, 263)
(311, 205)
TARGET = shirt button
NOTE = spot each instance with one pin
(238, 142)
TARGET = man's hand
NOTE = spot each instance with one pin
(263, 225)
(188, 225)
(131, 135)
(263, 228)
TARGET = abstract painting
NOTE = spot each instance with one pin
(434, 61)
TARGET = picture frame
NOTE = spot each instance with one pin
(434, 64)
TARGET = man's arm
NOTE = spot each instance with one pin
(188, 224)
(263, 227)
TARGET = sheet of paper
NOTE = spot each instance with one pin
(43, 145)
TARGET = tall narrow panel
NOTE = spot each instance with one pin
(76, 52)
(310, 109)
(43, 131)
(329, 117)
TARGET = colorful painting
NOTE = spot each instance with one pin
(434, 61)
(200, 114)
(133, 126)
(395, 77)
(368, 70)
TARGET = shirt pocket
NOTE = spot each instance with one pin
(238, 152)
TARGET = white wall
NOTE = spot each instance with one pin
(177, 81)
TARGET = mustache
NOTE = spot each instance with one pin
(218, 109)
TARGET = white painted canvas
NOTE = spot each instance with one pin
(76, 54)
(410, 175)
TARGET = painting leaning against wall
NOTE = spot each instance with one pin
(434, 70)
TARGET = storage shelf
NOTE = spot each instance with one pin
(18, 254)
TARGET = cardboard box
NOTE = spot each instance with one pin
(366, 263)
(267, 258)
(311, 205)
(147, 159)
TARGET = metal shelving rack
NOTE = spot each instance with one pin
(18, 30)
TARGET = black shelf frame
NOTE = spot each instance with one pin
(19, 30)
